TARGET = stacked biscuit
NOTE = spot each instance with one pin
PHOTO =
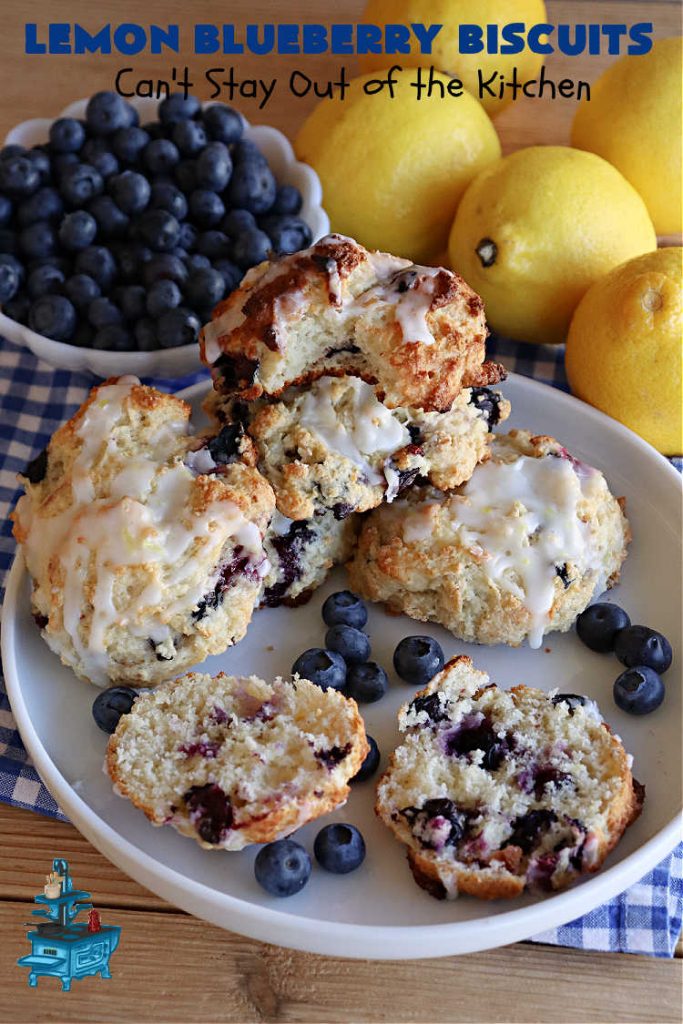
(358, 376)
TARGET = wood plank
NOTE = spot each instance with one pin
(173, 968)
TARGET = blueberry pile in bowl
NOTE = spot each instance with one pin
(120, 236)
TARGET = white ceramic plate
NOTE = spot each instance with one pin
(171, 362)
(378, 912)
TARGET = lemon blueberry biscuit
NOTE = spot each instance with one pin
(334, 446)
(231, 761)
(416, 333)
(516, 552)
(494, 791)
(144, 544)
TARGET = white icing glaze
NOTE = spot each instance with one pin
(411, 306)
(393, 480)
(372, 430)
(200, 462)
(279, 524)
(523, 517)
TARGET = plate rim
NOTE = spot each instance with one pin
(267, 924)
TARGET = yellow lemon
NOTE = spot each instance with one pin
(393, 170)
(624, 347)
(536, 229)
(445, 53)
(633, 119)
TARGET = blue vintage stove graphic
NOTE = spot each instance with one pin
(61, 948)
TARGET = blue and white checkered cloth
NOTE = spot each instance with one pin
(35, 400)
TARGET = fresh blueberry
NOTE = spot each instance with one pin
(162, 296)
(287, 200)
(81, 290)
(62, 162)
(640, 645)
(287, 233)
(213, 244)
(344, 608)
(165, 196)
(19, 176)
(98, 263)
(246, 151)
(326, 669)
(250, 248)
(12, 149)
(79, 184)
(60, 262)
(176, 327)
(351, 643)
(146, 335)
(252, 187)
(37, 241)
(8, 240)
(12, 261)
(206, 208)
(45, 280)
(131, 299)
(417, 659)
(366, 683)
(159, 229)
(222, 123)
(236, 222)
(178, 107)
(214, 167)
(128, 143)
(106, 112)
(102, 312)
(639, 690)
(97, 153)
(205, 288)
(40, 158)
(282, 868)
(598, 626)
(185, 175)
(371, 762)
(190, 137)
(113, 338)
(164, 266)
(109, 705)
(160, 156)
(111, 221)
(231, 274)
(224, 448)
(339, 848)
(9, 282)
(187, 238)
(131, 259)
(195, 261)
(53, 316)
(45, 204)
(6, 211)
(77, 230)
(130, 191)
(67, 135)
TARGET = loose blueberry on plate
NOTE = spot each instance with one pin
(640, 645)
(638, 690)
(111, 704)
(599, 624)
(351, 643)
(344, 608)
(282, 868)
(327, 669)
(371, 762)
(366, 683)
(417, 659)
(339, 848)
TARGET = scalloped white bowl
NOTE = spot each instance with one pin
(170, 362)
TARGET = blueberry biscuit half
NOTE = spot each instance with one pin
(301, 553)
(493, 791)
(416, 333)
(333, 446)
(231, 761)
(515, 553)
(144, 543)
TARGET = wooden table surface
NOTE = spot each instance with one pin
(171, 967)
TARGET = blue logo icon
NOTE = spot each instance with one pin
(61, 948)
